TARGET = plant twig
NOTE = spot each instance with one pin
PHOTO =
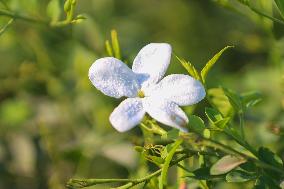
(82, 183)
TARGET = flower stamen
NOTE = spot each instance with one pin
(140, 94)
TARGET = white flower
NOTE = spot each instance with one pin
(145, 88)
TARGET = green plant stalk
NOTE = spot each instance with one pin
(246, 3)
(242, 123)
(231, 151)
(6, 26)
(82, 183)
(22, 17)
(229, 133)
(164, 173)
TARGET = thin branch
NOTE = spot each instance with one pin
(14, 15)
(82, 183)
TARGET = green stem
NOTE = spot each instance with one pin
(4, 28)
(229, 150)
(82, 183)
(246, 3)
(242, 123)
(22, 17)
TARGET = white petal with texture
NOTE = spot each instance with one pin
(166, 112)
(181, 89)
(128, 114)
(113, 78)
(152, 62)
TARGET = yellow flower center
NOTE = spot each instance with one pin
(141, 94)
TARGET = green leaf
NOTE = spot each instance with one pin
(239, 176)
(189, 68)
(108, 48)
(196, 124)
(115, 44)
(280, 6)
(235, 99)
(269, 157)
(226, 164)
(164, 173)
(220, 101)
(6, 26)
(216, 118)
(250, 99)
(53, 10)
(260, 184)
(203, 173)
(211, 63)
(173, 134)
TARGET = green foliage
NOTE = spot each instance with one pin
(280, 5)
(54, 10)
(239, 176)
(208, 66)
(113, 48)
(216, 118)
(269, 157)
(164, 173)
(196, 124)
(189, 68)
(226, 164)
(51, 117)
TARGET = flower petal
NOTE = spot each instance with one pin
(113, 78)
(166, 112)
(129, 113)
(152, 62)
(181, 89)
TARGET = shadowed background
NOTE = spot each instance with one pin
(54, 123)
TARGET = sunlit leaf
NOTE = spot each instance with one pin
(226, 164)
(220, 101)
(108, 48)
(211, 63)
(189, 68)
(53, 10)
(115, 44)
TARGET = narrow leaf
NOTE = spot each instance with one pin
(211, 63)
(234, 98)
(250, 99)
(164, 173)
(239, 176)
(115, 44)
(4, 28)
(216, 118)
(108, 48)
(269, 157)
(280, 6)
(189, 68)
(226, 164)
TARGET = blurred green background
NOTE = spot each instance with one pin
(54, 123)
